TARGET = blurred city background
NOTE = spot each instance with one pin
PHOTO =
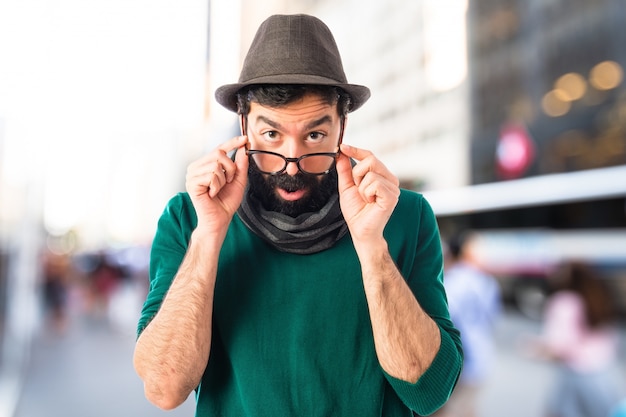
(509, 115)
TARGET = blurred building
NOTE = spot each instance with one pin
(547, 97)
(547, 103)
(555, 71)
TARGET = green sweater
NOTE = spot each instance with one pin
(292, 334)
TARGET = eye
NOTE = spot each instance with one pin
(270, 135)
(316, 136)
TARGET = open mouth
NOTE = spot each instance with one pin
(288, 195)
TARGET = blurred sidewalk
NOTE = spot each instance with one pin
(519, 384)
(86, 372)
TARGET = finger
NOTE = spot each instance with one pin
(233, 143)
(354, 152)
(215, 169)
(198, 182)
(376, 188)
(216, 182)
(367, 162)
(230, 171)
(344, 173)
(225, 161)
(241, 163)
(369, 187)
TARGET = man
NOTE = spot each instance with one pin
(295, 277)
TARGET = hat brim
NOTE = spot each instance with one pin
(226, 95)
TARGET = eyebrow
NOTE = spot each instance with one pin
(313, 124)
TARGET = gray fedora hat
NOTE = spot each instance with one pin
(292, 49)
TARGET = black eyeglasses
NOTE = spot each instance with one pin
(273, 163)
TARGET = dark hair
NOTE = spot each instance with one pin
(458, 242)
(600, 305)
(455, 244)
(277, 95)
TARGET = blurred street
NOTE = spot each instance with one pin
(88, 372)
(519, 384)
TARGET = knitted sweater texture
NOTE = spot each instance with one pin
(292, 334)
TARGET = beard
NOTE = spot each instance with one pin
(263, 188)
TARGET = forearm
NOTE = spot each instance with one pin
(406, 338)
(173, 350)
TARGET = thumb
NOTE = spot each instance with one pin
(344, 173)
(241, 162)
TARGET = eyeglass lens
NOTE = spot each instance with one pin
(271, 163)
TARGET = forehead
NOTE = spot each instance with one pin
(309, 107)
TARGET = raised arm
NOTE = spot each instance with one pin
(172, 351)
(406, 338)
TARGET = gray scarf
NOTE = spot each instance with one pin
(306, 234)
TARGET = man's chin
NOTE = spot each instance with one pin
(292, 208)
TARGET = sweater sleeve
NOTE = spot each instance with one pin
(168, 250)
(424, 274)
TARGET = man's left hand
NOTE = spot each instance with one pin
(368, 193)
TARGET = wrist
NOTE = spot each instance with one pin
(208, 238)
(372, 254)
(370, 249)
(378, 268)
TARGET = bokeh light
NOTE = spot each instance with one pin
(606, 75)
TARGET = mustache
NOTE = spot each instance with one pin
(285, 181)
(292, 183)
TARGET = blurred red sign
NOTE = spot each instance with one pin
(515, 151)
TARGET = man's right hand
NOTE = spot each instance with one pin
(216, 184)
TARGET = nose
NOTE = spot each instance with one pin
(294, 151)
(292, 168)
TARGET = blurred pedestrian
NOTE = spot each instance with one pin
(104, 280)
(580, 334)
(296, 278)
(474, 301)
(55, 289)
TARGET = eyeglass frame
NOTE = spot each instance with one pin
(249, 152)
